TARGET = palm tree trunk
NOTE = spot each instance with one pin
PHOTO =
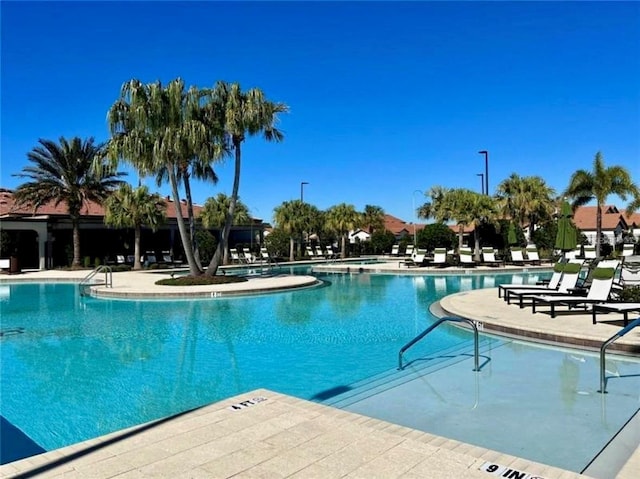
(460, 235)
(292, 247)
(476, 237)
(343, 253)
(598, 228)
(192, 220)
(226, 229)
(76, 243)
(184, 234)
(136, 248)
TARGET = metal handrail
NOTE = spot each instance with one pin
(434, 326)
(108, 277)
(603, 383)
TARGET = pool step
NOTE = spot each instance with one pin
(419, 367)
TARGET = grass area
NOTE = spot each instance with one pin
(200, 280)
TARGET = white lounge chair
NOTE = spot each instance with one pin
(630, 271)
(551, 285)
(532, 255)
(589, 252)
(319, 253)
(615, 307)
(517, 257)
(235, 256)
(329, 252)
(599, 291)
(627, 249)
(395, 250)
(248, 255)
(440, 257)
(569, 279)
(489, 257)
(417, 259)
(466, 257)
(408, 252)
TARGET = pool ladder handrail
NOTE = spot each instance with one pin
(603, 383)
(434, 326)
(108, 277)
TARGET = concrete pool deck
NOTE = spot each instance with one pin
(267, 434)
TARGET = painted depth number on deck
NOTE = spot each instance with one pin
(504, 471)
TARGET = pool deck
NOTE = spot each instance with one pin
(264, 434)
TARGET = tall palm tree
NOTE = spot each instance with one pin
(527, 200)
(240, 114)
(134, 208)
(598, 184)
(373, 217)
(294, 218)
(214, 214)
(187, 169)
(154, 127)
(343, 218)
(71, 172)
(477, 210)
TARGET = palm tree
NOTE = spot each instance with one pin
(476, 210)
(294, 218)
(155, 127)
(214, 214)
(240, 114)
(598, 184)
(373, 216)
(527, 200)
(343, 218)
(71, 172)
(186, 170)
(133, 208)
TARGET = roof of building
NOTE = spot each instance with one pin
(9, 208)
(585, 218)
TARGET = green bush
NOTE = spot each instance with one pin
(87, 261)
(437, 235)
(200, 280)
(630, 294)
(382, 241)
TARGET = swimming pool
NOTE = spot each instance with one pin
(79, 367)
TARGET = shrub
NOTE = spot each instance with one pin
(630, 294)
(200, 280)
(87, 261)
(382, 241)
(437, 235)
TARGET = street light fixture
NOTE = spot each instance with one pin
(481, 175)
(486, 170)
(415, 216)
(302, 190)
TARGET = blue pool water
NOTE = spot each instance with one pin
(74, 367)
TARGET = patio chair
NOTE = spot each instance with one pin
(599, 291)
(532, 255)
(395, 250)
(630, 271)
(550, 285)
(248, 255)
(589, 252)
(614, 307)
(569, 279)
(408, 252)
(235, 256)
(330, 253)
(319, 253)
(417, 259)
(439, 257)
(310, 253)
(489, 257)
(517, 257)
(627, 250)
(466, 257)
(150, 258)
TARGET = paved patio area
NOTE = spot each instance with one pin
(267, 434)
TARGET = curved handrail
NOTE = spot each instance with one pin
(603, 383)
(108, 277)
(434, 326)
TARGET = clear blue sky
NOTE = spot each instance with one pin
(386, 98)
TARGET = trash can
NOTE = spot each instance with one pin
(14, 265)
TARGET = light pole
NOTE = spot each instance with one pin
(486, 170)
(302, 190)
(415, 217)
(481, 175)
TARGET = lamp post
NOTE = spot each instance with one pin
(481, 175)
(486, 170)
(415, 216)
(302, 190)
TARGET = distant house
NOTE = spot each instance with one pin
(401, 228)
(358, 235)
(44, 236)
(615, 223)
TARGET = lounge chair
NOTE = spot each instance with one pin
(408, 252)
(310, 253)
(599, 291)
(489, 257)
(236, 257)
(417, 259)
(466, 257)
(517, 257)
(544, 286)
(395, 250)
(248, 255)
(568, 281)
(614, 307)
(120, 259)
(329, 253)
(439, 257)
(150, 258)
(532, 255)
(627, 249)
(589, 252)
(630, 271)
(319, 253)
